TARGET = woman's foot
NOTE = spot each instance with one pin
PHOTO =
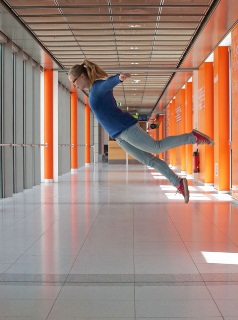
(201, 138)
(182, 188)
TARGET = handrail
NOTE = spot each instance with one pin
(40, 145)
(66, 145)
(23, 145)
(45, 145)
(85, 145)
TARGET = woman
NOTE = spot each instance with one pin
(123, 127)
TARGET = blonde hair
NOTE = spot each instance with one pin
(92, 70)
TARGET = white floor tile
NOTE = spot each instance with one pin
(100, 292)
(223, 292)
(177, 308)
(171, 293)
(94, 264)
(21, 292)
(64, 309)
(228, 308)
(172, 264)
(26, 308)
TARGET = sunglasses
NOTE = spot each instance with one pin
(73, 82)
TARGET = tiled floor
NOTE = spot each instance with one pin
(114, 242)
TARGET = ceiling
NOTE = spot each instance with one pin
(149, 38)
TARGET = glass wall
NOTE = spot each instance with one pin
(7, 119)
(0, 120)
(20, 121)
(64, 129)
(14, 113)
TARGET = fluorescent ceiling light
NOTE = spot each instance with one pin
(134, 25)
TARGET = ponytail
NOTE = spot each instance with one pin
(92, 70)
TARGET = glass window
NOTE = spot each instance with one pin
(0, 120)
(14, 115)
(24, 122)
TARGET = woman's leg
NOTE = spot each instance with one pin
(150, 160)
(138, 138)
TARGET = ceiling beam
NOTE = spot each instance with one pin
(146, 70)
(115, 22)
(96, 6)
(52, 15)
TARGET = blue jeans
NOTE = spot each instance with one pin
(140, 145)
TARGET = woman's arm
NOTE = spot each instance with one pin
(108, 84)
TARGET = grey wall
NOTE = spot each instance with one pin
(64, 130)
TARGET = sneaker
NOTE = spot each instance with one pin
(201, 138)
(183, 189)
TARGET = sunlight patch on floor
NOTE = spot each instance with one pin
(220, 257)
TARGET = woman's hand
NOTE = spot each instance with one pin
(124, 76)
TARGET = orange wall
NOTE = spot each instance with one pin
(189, 125)
(48, 124)
(206, 121)
(221, 119)
(173, 132)
(234, 58)
(167, 130)
(161, 132)
(180, 128)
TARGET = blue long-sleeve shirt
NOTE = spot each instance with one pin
(104, 107)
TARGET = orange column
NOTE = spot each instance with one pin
(155, 134)
(167, 132)
(48, 125)
(209, 121)
(87, 131)
(206, 121)
(221, 119)
(183, 123)
(234, 64)
(74, 130)
(173, 132)
(161, 132)
(178, 119)
(189, 126)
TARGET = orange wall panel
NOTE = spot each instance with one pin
(189, 125)
(183, 126)
(180, 128)
(206, 121)
(221, 119)
(234, 62)
(167, 131)
(173, 132)
(161, 132)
